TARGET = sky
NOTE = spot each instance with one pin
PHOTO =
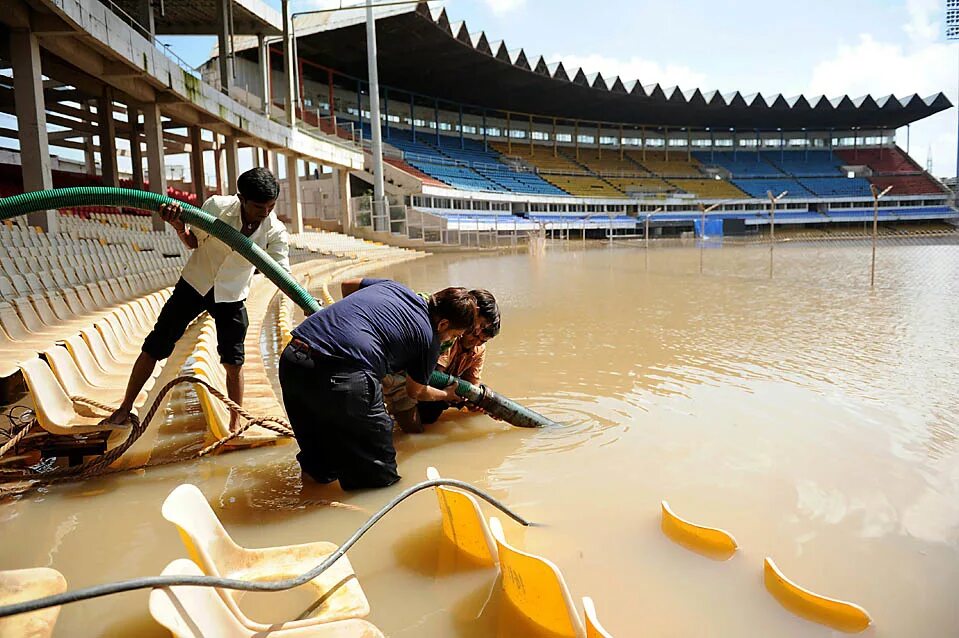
(814, 47)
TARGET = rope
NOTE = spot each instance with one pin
(145, 582)
(12, 443)
(99, 465)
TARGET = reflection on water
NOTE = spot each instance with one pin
(813, 418)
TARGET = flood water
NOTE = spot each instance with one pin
(813, 418)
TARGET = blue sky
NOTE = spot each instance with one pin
(812, 47)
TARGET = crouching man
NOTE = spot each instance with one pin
(330, 375)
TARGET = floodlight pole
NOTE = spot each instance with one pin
(377, 149)
(876, 195)
(646, 235)
(772, 225)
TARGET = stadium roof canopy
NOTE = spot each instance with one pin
(421, 52)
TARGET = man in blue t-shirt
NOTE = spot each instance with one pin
(330, 375)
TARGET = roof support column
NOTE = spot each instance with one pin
(266, 85)
(196, 163)
(31, 122)
(599, 140)
(782, 146)
(379, 192)
(712, 146)
(107, 132)
(412, 119)
(621, 151)
(153, 129)
(89, 149)
(462, 139)
(666, 141)
(555, 147)
(359, 107)
(223, 41)
(386, 111)
(689, 145)
(576, 137)
(331, 99)
(136, 153)
(509, 138)
(735, 144)
(436, 120)
(218, 159)
(642, 131)
(530, 134)
(293, 194)
(759, 144)
(289, 84)
(341, 183)
(232, 151)
(485, 139)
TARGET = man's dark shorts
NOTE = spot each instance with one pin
(185, 305)
(339, 420)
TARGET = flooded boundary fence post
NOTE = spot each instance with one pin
(876, 195)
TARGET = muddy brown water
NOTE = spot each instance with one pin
(813, 418)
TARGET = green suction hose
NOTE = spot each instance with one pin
(10, 207)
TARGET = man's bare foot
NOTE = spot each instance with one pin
(120, 417)
(234, 424)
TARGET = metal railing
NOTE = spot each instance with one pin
(145, 32)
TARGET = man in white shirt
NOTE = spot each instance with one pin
(215, 279)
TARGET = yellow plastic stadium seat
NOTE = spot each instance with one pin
(55, 411)
(535, 586)
(463, 522)
(198, 612)
(709, 541)
(72, 380)
(209, 545)
(20, 585)
(93, 372)
(837, 614)
(593, 628)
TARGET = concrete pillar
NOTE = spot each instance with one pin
(274, 163)
(223, 45)
(289, 82)
(293, 194)
(264, 54)
(343, 196)
(196, 163)
(155, 156)
(218, 159)
(107, 132)
(136, 153)
(31, 122)
(89, 148)
(232, 164)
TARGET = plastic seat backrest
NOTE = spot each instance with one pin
(20, 284)
(535, 586)
(53, 405)
(28, 315)
(205, 539)
(21, 585)
(12, 324)
(593, 628)
(463, 522)
(44, 310)
(35, 281)
(73, 301)
(199, 612)
(7, 291)
(59, 306)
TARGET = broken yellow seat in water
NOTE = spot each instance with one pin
(593, 628)
(536, 588)
(211, 547)
(198, 612)
(463, 522)
(20, 585)
(838, 614)
(217, 415)
(709, 541)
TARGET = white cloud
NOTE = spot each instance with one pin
(924, 65)
(502, 7)
(634, 68)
